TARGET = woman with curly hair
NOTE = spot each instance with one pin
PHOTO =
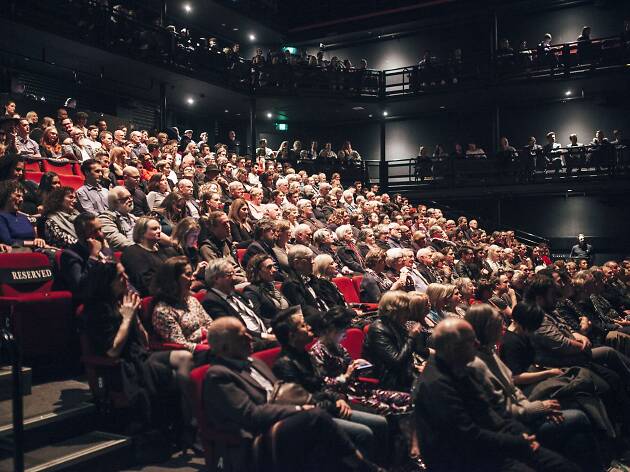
(59, 215)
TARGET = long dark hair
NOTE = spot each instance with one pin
(98, 285)
(45, 184)
(165, 284)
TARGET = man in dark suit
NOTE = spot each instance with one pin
(77, 260)
(301, 287)
(222, 300)
(236, 399)
(465, 267)
(458, 428)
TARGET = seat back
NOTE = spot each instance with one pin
(240, 254)
(356, 281)
(23, 273)
(32, 165)
(268, 356)
(60, 168)
(346, 287)
(353, 342)
(34, 176)
(74, 181)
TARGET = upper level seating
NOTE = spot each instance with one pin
(61, 168)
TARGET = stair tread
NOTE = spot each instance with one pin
(68, 452)
(50, 401)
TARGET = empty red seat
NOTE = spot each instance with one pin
(74, 181)
(34, 176)
(346, 287)
(32, 165)
(41, 319)
(61, 168)
(356, 281)
(353, 342)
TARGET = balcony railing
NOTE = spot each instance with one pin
(114, 29)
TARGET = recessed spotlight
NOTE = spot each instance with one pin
(190, 101)
(568, 93)
(269, 115)
(385, 113)
(234, 29)
(252, 37)
(187, 7)
(357, 108)
(442, 107)
(223, 24)
(370, 115)
(226, 110)
(569, 190)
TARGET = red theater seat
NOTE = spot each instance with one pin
(32, 165)
(74, 181)
(353, 342)
(41, 319)
(346, 287)
(240, 253)
(34, 176)
(60, 168)
(268, 356)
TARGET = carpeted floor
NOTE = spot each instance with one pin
(179, 463)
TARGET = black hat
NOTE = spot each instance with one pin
(212, 168)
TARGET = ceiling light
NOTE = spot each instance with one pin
(442, 107)
(569, 190)
(234, 29)
(252, 37)
(568, 92)
(269, 115)
(190, 101)
(358, 108)
(384, 113)
(187, 8)
(370, 115)
(226, 110)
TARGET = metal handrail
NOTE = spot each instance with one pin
(9, 345)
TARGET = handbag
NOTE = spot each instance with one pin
(290, 393)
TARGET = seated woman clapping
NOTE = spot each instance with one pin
(59, 215)
(114, 330)
(177, 317)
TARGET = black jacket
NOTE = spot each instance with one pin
(390, 349)
(236, 403)
(74, 267)
(458, 429)
(349, 258)
(141, 265)
(296, 367)
(295, 290)
(261, 300)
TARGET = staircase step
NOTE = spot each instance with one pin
(52, 413)
(95, 451)
(6, 382)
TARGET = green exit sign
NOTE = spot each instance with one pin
(282, 126)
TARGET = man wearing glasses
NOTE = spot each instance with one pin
(118, 221)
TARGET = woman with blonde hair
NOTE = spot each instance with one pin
(50, 147)
(241, 229)
(325, 268)
(389, 346)
(444, 299)
(290, 214)
(255, 204)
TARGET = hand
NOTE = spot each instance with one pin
(39, 242)
(551, 405)
(533, 444)
(555, 417)
(353, 365)
(95, 246)
(415, 330)
(307, 407)
(129, 305)
(269, 337)
(583, 339)
(5, 248)
(344, 409)
(554, 372)
(201, 267)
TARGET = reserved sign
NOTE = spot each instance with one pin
(17, 276)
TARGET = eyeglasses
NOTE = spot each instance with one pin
(125, 199)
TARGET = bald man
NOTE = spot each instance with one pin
(236, 393)
(131, 177)
(458, 429)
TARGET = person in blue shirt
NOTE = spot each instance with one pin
(15, 228)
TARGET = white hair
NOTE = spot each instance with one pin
(297, 251)
(392, 255)
(341, 230)
(300, 228)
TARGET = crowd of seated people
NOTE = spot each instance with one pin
(583, 51)
(522, 164)
(228, 276)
